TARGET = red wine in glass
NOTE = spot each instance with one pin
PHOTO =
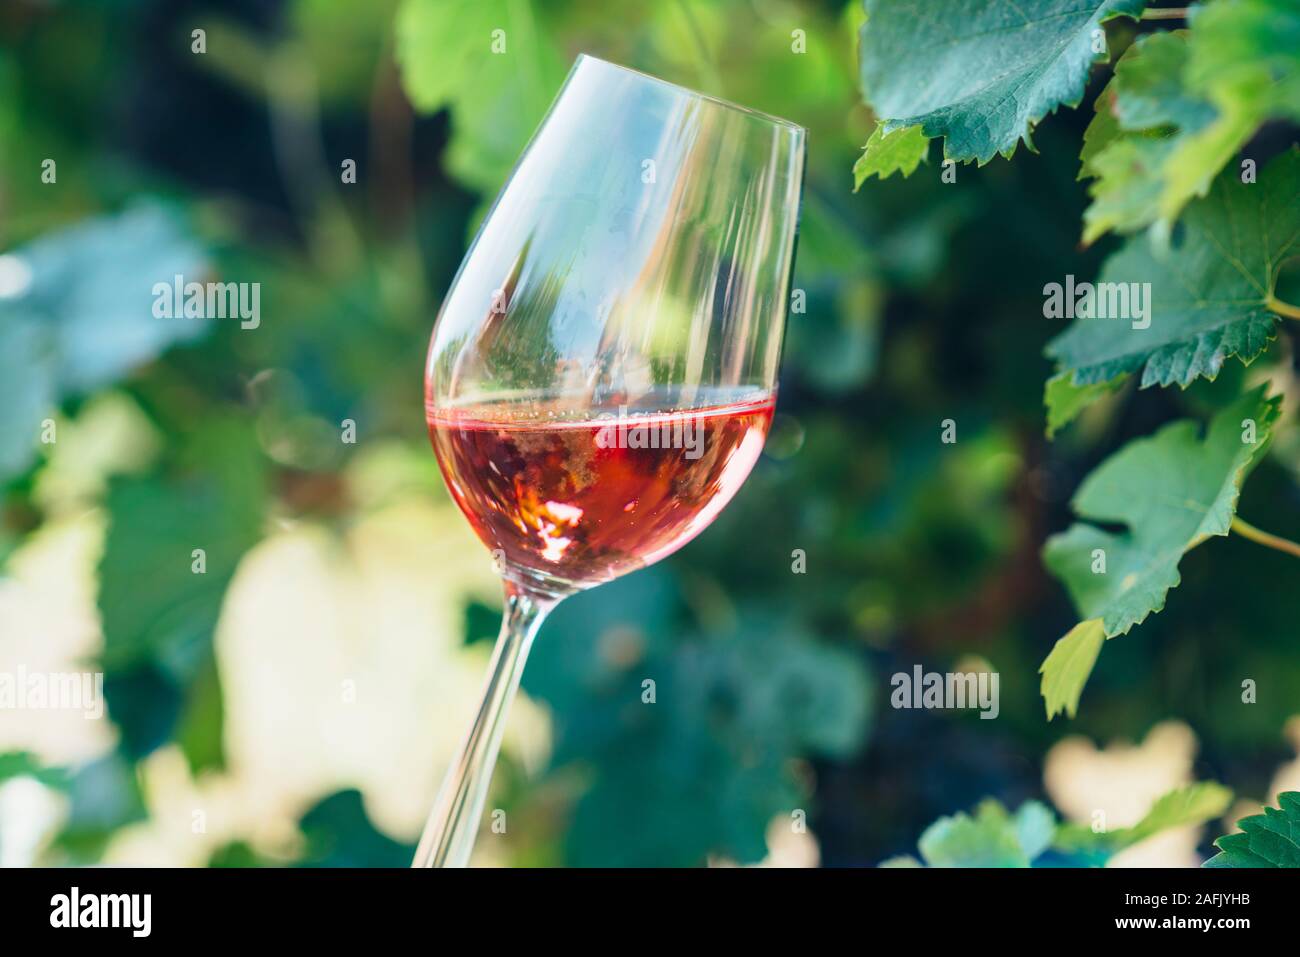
(573, 498)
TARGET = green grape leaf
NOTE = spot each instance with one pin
(1245, 59)
(899, 150)
(980, 73)
(492, 64)
(1147, 90)
(1183, 105)
(158, 640)
(1065, 400)
(1248, 50)
(1208, 298)
(1126, 193)
(1065, 670)
(1148, 108)
(1270, 839)
(991, 838)
(1172, 491)
(1194, 804)
(1100, 133)
(1181, 807)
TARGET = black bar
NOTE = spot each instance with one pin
(336, 906)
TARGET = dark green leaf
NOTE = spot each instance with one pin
(1270, 839)
(1209, 298)
(980, 73)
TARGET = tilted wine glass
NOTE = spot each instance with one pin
(603, 371)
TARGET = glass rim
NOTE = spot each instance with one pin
(695, 94)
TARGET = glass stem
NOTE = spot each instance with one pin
(453, 823)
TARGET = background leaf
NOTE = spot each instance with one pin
(445, 49)
(91, 287)
(76, 314)
(1193, 804)
(158, 641)
(27, 391)
(757, 689)
(992, 838)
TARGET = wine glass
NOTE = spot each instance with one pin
(602, 374)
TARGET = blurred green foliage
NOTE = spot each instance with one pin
(1032, 836)
(924, 304)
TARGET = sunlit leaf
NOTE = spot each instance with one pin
(1065, 671)
(1185, 104)
(1190, 805)
(896, 151)
(492, 64)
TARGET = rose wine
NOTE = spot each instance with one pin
(573, 499)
